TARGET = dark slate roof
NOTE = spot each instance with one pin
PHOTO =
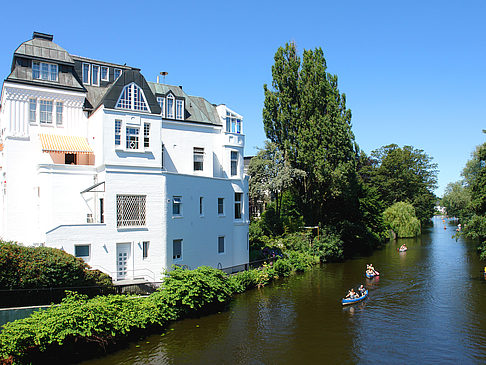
(198, 109)
(103, 63)
(127, 77)
(44, 49)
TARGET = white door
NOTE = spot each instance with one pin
(122, 257)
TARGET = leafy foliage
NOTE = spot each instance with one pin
(400, 217)
(403, 175)
(456, 200)
(42, 267)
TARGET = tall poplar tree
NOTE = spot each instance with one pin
(305, 115)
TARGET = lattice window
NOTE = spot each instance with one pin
(132, 97)
(170, 106)
(132, 138)
(130, 210)
(45, 111)
(32, 110)
(59, 108)
(161, 102)
(234, 163)
(117, 132)
(146, 135)
(179, 109)
(198, 158)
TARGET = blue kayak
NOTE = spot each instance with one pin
(369, 276)
(355, 300)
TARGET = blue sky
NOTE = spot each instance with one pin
(413, 71)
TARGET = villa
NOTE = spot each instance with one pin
(131, 176)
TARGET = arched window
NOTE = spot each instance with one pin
(170, 106)
(132, 97)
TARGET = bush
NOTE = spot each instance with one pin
(300, 261)
(243, 281)
(329, 247)
(400, 217)
(44, 267)
(192, 290)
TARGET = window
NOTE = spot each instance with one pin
(117, 73)
(102, 210)
(105, 76)
(59, 108)
(221, 244)
(70, 159)
(32, 110)
(95, 75)
(117, 132)
(46, 111)
(132, 138)
(145, 247)
(86, 73)
(179, 109)
(132, 97)
(201, 210)
(238, 202)
(170, 106)
(146, 135)
(130, 210)
(198, 158)
(161, 102)
(220, 206)
(177, 249)
(82, 251)
(234, 163)
(44, 71)
(177, 205)
(233, 123)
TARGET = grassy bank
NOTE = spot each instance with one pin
(103, 321)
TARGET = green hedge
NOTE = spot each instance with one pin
(44, 267)
(104, 318)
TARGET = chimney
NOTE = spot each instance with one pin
(48, 37)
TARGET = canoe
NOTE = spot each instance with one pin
(371, 276)
(355, 300)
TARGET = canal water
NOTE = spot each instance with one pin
(427, 306)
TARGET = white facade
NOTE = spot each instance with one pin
(104, 174)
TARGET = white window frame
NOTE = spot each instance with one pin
(221, 214)
(170, 110)
(161, 101)
(146, 135)
(132, 97)
(48, 73)
(95, 80)
(179, 109)
(135, 140)
(59, 118)
(233, 123)
(224, 245)
(118, 133)
(33, 102)
(198, 158)
(145, 249)
(47, 113)
(84, 258)
(177, 202)
(107, 73)
(181, 245)
(115, 71)
(239, 205)
(234, 163)
(89, 73)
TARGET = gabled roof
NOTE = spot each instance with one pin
(198, 109)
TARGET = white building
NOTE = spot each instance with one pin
(132, 176)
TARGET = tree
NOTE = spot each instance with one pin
(400, 217)
(456, 199)
(305, 115)
(271, 175)
(404, 174)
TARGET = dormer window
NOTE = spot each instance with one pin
(132, 97)
(233, 123)
(95, 75)
(161, 102)
(170, 106)
(44, 71)
(86, 73)
(179, 109)
(117, 73)
(104, 73)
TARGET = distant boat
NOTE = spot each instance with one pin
(355, 300)
(402, 249)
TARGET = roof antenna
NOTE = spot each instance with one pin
(163, 73)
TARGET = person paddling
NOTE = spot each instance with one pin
(361, 290)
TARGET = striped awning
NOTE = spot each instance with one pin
(66, 144)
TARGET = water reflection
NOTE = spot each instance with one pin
(427, 306)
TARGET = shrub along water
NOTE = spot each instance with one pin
(104, 319)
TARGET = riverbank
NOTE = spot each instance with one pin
(106, 320)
